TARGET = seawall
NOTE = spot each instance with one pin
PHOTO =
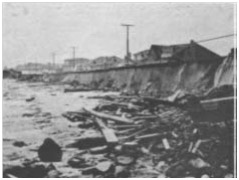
(151, 79)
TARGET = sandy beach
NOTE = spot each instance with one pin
(32, 122)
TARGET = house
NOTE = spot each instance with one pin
(181, 52)
(31, 68)
(196, 52)
(106, 62)
(38, 68)
(162, 52)
(74, 64)
(142, 55)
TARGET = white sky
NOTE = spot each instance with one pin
(32, 31)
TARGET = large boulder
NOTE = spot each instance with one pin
(50, 151)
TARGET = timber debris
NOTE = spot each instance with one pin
(159, 138)
(137, 136)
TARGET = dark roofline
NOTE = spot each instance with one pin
(139, 52)
(156, 45)
(197, 44)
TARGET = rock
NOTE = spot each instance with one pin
(89, 170)
(118, 148)
(30, 99)
(53, 174)
(27, 115)
(29, 171)
(104, 166)
(176, 171)
(161, 176)
(189, 177)
(121, 172)
(229, 176)
(19, 144)
(87, 124)
(17, 171)
(205, 176)
(198, 163)
(161, 166)
(77, 162)
(125, 160)
(50, 151)
(37, 171)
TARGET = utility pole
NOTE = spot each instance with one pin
(74, 55)
(53, 60)
(74, 52)
(128, 55)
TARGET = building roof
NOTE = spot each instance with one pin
(141, 52)
(184, 52)
(196, 52)
(170, 50)
(107, 59)
(77, 60)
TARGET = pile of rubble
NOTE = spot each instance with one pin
(146, 137)
(138, 136)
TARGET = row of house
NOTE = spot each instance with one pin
(83, 64)
(38, 68)
(156, 53)
(181, 52)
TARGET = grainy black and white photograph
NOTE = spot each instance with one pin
(119, 90)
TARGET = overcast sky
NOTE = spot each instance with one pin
(32, 31)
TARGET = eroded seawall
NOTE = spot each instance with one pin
(153, 79)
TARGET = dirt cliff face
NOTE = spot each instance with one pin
(159, 80)
(225, 72)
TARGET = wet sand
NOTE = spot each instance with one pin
(42, 119)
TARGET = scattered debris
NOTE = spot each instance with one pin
(106, 116)
(28, 115)
(19, 144)
(30, 99)
(121, 172)
(133, 136)
(125, 160)
(26, 170)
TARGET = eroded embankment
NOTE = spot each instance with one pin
(157, 79)
(153, 80)
(225, 72)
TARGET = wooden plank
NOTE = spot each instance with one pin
(107, 132)
(149, 136)
(214, 104)
(152, 117)
(135, 133)
(108, 117)
(110, 136)
(128, 126)
(125, 131)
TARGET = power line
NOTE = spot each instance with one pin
(215, 38)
